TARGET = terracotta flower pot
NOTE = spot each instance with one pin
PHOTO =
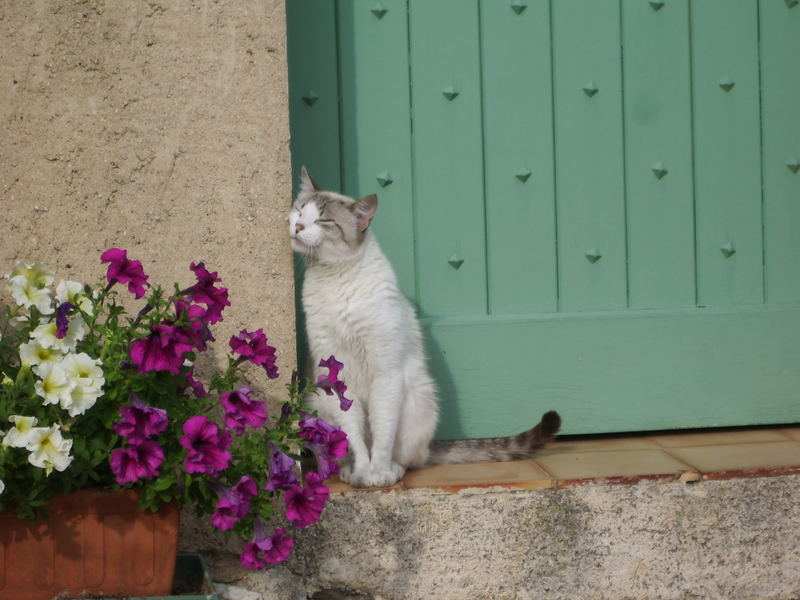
(94, 543)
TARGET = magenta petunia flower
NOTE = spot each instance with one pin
(204, 292)
(163, 350)
(62, 320)
(281, 470)
(123, 270)
(252, 346)
(327, 442)
(240, 410)
(331, 383)
(304, 505)
(207, 446)
(234, 503)
(196, 323)
(195, 385)
(265, 549)
(140, 422)
(133, 463)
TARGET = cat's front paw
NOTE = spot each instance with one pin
(355, 477)
(386, 476)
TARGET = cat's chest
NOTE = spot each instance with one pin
(338, 309)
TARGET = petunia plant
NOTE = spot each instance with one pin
(92, 397)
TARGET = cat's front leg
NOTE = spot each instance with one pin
(355, 469)
(386, 399)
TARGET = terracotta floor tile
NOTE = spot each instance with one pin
(716, 438)
(792, 432)
(612, 463)
(519, 473)
(598, 445)
(731, 457)
(336, 485)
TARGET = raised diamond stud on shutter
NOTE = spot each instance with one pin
(379, 10)
(310, 97)
(728, 250)
(659, 170)
(455, 261)
(593, 255)
(590, 89)
(450, 93)
(384, 178)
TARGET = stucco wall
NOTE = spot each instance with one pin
(158, 127)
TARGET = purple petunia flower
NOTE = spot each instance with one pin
(215, 299)
(304, 505)
(133, 463)
(123, 270)
(252, 346)
(163, 350)
(195, 385)
(234, 503)
(62, 321)
(140, 421)
(275, 548)
(197, 324)
(207, 446)
(331, 383)
(327, 442)
(281, 470)
(240, 410)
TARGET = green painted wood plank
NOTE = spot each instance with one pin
(780, 117)
(313, 90)
(448, 156)
(727, 152)
(617, 371)
(518, 134)
(658, 155)
(313, 111)
(376, 123)
(589, 155)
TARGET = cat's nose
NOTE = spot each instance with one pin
(298, 228)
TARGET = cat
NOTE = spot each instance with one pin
(355, 311)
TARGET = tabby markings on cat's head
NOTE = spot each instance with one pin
(326, 227)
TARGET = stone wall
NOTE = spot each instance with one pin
(158, 127)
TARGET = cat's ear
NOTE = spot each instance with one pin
(364, 209)
(307, 185)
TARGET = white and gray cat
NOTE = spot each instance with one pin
(356, 312)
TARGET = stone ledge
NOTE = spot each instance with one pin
(708, 539)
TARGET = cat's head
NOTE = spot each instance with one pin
(326, 227)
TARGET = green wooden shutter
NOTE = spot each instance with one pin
(595, 205)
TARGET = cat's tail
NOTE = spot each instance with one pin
(514, 447)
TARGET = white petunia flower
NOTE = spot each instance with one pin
(55, 386)
(28, 285)
(33, 353)
(37, 274)
(73, 292)
(49, 450)
(27, 295)
(88, 377)
(45, 335)
(21, 433)
(2, 487)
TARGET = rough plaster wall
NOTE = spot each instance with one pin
(159, 127)
(726, 540)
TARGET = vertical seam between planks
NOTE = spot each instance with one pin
(487, 306)
(624, 157)
(412, 162)
(339, 103)
(761, 158)
(692, 123)
(556, 237)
